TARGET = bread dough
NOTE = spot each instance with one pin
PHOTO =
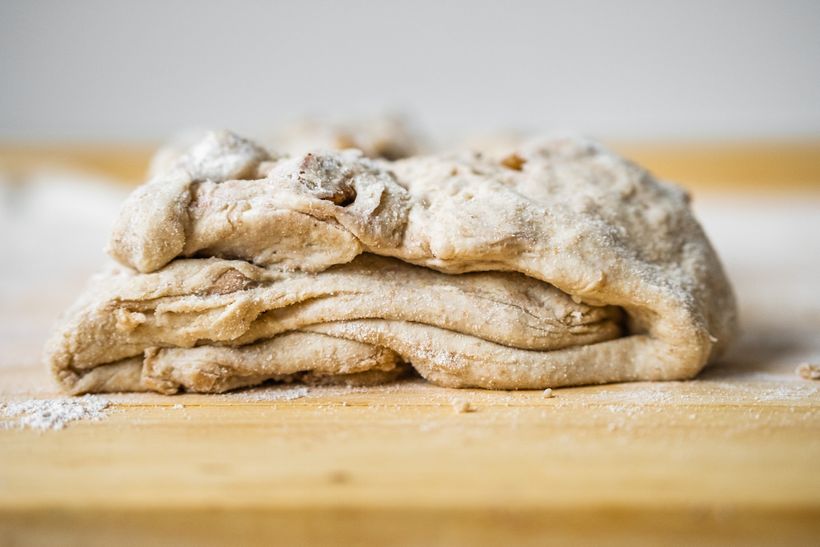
(214, 324)
(556, 264)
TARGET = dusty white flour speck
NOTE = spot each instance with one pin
(54, 414)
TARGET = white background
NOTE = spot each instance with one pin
(144, 70)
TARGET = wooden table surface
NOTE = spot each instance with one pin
(731, 457)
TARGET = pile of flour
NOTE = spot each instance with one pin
(53, 414)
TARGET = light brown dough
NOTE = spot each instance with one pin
(214, 324)
(587, 270)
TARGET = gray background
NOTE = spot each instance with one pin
(143, 70)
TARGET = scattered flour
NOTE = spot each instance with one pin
(54, 414)
(269, 394)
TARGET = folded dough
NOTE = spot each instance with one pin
(557, 264)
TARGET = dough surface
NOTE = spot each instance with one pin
(558, 263)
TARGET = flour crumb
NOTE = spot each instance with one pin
(461, 406)
(54, 414)
(548, 394)
(808, 371)
(178, 406)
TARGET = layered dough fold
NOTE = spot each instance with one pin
(214, 324)
(557, 264)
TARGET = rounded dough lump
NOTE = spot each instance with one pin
(589, 270)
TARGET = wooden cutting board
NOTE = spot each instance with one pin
(731, 457)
